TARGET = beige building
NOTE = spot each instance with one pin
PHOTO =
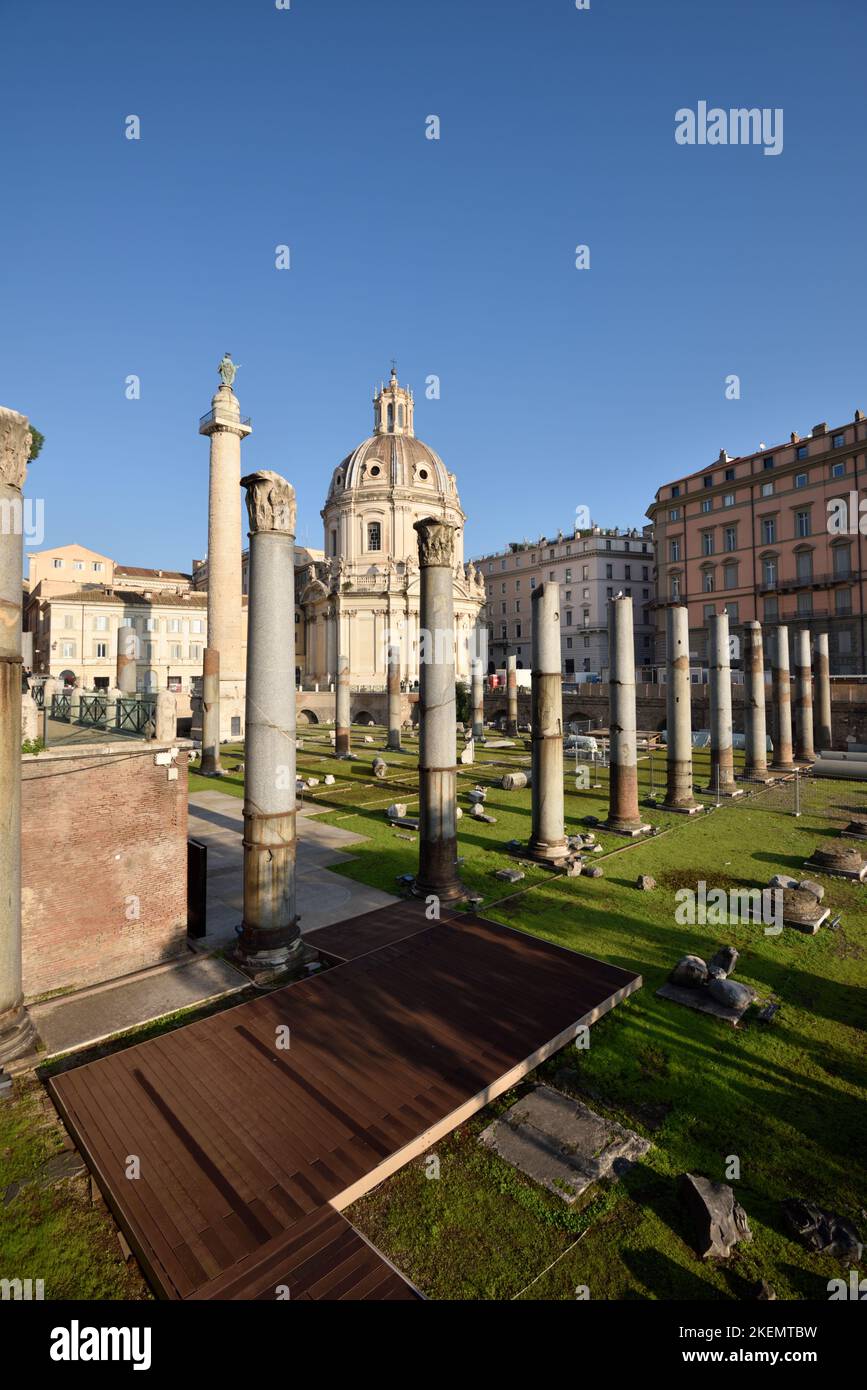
(591, 567)
(364, 594)
(75, 636)
(68, 567)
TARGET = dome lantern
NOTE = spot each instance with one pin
(393, 407)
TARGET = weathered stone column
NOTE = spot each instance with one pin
(782, 702)
(270, 935)
(512, 695)
(678, 795)
(166, 717)
(623, 814)
(342, 738)
(16, 1030)
(722, 763)
(438, 828)
(824, 732)
(755, 725)
(478, 696)
(394, 720)
(225, 429)
(127, 656)
(547, 838)
(210, 764)
(805, 752)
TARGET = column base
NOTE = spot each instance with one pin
(543, 852)
(341, 742)
(449, 892)
(756, 775)
(631, 829)
(778, 768)
(683, 808)
(257, 950)
(394, 743)
(726, 793)
(210, 767)
(17, 1034)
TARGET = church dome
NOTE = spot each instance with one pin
(392, 456)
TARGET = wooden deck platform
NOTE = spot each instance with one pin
(255, 1127)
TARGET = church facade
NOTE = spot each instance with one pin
(363, 595)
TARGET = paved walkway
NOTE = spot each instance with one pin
(216, 818)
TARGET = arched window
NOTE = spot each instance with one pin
(390, 416)
(374, 535)
(400, 415)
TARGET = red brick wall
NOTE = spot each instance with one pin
(104, 849)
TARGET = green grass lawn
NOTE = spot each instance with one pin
(786, 1099)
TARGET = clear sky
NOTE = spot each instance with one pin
(306, 127)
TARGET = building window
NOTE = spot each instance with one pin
(675, 491)
(58, 564)
(674, 550)
(801, 451)
(731, 538)
(730, 576)
(674, 514)
(729, 475)
(843, 602)
(729, 499)
(805, 604)
(627, 571)
(707, 504)
(707, 542)
(532, 581)
(804, 564)
(174, 624)
(68, 650)
(569, 644)
(709, 610)
(768, 462)
(769, 530)
(374, 535)
(569, 595)
(195, 652)
(78, 564)
(838, 440)
(802, 523)
(844, 643)
(838, 470)
(842, 561)
(517, 629)
(150, 624)
(769, 572)
(568, 617)
(100, 622)
(585, 571)
(708, 480)
(102, 649)
(801, 479)
(98, 567)
(767, 489)
(707, 582)
(609, 571)
(175, 650)
(772, 609)
(69, 620)
(517, 605)
(732, 610)
(568, 576)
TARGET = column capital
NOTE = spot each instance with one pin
(15, 444)
(436, 541)
(271, 503)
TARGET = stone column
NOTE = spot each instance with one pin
(478, 693)
(722, 763)
(805, 752)
(547, 837)
(782, 702)
(225, 429)
(127, 657)
(678, 795)
(438, 832)
(166, 717)
(623, 813)
(512, 695)
(270, 936)
(394, 720)
(342, 740)
(824, 733)
(210, 764)
(17, 1034)
(755, 727)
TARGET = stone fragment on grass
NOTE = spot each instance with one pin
(594, 871)
(509, 875)
(719, 1221)
(690, 971)
(645, 882)
(731, 994)
(396, 811)
(329, 779)
(783, 881)
(723, 961)
(809, 885)
(821, 1231)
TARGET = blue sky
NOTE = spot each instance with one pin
(306, 127)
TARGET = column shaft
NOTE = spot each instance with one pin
(679, 795)
(824, 732)
(342, 737)
(722, 765)
(478, 695)
(547, 838)
(210, 764)
(623, 811)
(394, 719)
(782, 702)
(512, 695)
(127, 657)
(804, 697)
(755, 727)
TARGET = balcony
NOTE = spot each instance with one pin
(813, 581)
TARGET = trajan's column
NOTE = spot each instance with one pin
(225, 429)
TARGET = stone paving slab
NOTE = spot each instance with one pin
(700, 1000)
(79, 1020)
(558, 1142)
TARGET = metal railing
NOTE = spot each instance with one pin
(215, 417)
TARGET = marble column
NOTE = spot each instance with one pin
(342, 739)
(512, 695)
(478, 694)
(270, 935)
(623, 813)
(17, 1034)
(166, 717)
(438, 829)
(782, 686)
(127, 657)
(225, 429)
(394, 699)
(722, 763)
(755, 726)
(824, 733)
(678, 795)
(210, 764)
(547, 837)
(804, 751)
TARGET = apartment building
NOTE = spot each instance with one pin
(68, 567)
(591, 567)
(751, 534)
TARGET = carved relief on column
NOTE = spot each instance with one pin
(271, 504)
(16, 442)
(436, 541)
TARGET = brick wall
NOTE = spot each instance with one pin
(104, 850)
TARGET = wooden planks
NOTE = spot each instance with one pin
(246, 1148)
